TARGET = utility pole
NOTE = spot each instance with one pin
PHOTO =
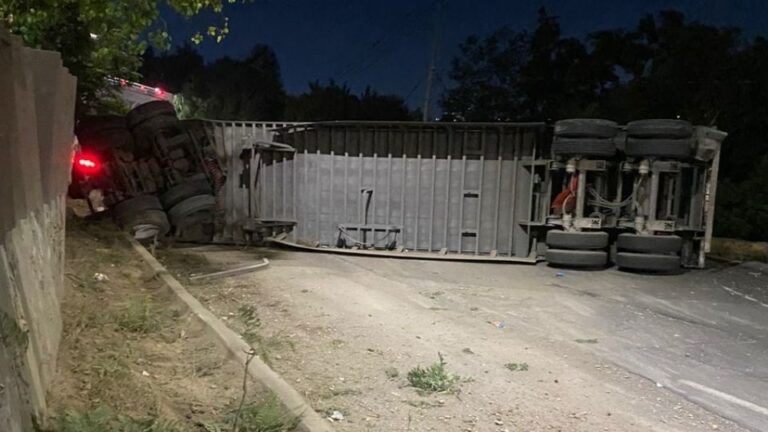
(433, 61)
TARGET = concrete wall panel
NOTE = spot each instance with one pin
(37, 98)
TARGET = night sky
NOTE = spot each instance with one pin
(388, 43)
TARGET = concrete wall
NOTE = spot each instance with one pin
(37, 99)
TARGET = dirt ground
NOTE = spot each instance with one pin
(129, 348)
(345, 331)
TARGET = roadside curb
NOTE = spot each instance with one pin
(311, 421)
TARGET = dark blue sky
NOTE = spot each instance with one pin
(387, 43)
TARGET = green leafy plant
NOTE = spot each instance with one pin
(99, 39)
(433, 379)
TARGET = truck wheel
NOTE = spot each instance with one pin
(577, 258)
(659, 128)
(148, 224)
(601, 147)
(126, 210)
(185, 190)
(648, 262)
(674, 148)
(649, 243)
(577, 240)
(148, 110)
(586, 128)
(184, 213)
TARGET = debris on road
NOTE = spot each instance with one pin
(232, 272)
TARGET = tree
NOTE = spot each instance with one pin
(173, 70)
(664, 67)
(248, 89)
(336, 102)
(98, 39)
(487, 76)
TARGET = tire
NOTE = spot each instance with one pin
(648, 262)
(147, 224)
(577, 240)
(586, 128)
(189, 207)
(148, 110)
(577, 258)
(659, 128)
(129, 208)
(185, 190)
(602, 147)
(660, 244)
(659, 147)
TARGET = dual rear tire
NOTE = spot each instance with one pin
(585, 249)
(589, 249)
(648, 253)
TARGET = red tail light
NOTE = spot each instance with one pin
(87, 164)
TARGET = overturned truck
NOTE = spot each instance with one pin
(583, 193)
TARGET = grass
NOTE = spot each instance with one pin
(140, 315)
(739, 250)
(433, 379)
(517, 367)
(268, 415)
(103, 419)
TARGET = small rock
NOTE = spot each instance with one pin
(498, 422)
(336, 416)
(145, 373)
(100, 277)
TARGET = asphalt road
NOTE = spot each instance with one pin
(702, 334)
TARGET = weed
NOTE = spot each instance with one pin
(140, 316)
(392, 372)
(268, 415)
(110, 366)
(517, 367)
(586, 341)
(248, 315)
(433, 378)
(263, 345)
(102, 419)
